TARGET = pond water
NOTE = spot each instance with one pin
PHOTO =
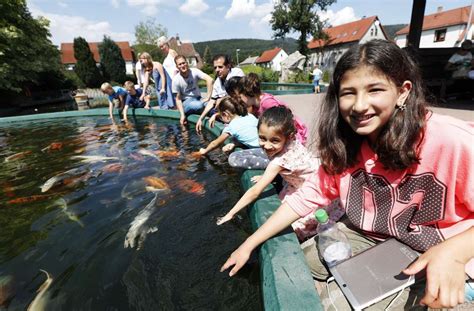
(95, 216)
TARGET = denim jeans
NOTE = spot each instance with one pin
(193, 105)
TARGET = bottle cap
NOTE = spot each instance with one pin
(321, 215)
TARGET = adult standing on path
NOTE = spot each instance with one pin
(317, 75)
(162, 81)
(168, 62)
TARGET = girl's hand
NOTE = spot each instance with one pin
(445, 278)
(142, 97)
(212, 120)
(199, 126)
(255, 179)
(147, 107)
(162, 91)
(228, 147)
(224, 219)
(202, 151)
(237, 259)
(182, 120)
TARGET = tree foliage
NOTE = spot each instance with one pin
(207, 56)
(151, 49)
(149, 31)
(86, 68)
(299, 16)
(111, 61)
(248, 47)
(28, 59)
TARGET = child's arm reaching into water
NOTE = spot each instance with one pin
(252, 194)
(214, 144)
(445, 265)
(281, 219)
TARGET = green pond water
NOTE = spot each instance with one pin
(135, 231)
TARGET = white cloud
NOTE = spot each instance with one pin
(64, 28)
(115, 3)
(149, 7)
(194, 7)
(259, 15)
(345, 15)
(62, 4)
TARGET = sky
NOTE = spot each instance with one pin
(202, 20)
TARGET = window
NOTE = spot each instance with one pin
(372, 32)
(376, 30)
(440, 35)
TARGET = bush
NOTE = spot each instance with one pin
(299, 77)
(326, 76)
(265, 74)
(73, 80)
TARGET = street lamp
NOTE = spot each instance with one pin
(237, 53)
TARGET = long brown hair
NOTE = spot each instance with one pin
(149, 61)
(232, 105)
(396, 145)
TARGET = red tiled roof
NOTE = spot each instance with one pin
(67, 52)
(184, 48)
(268, 55)
(442, 19)
(353, 31)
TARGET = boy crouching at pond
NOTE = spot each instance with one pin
(133, 98)
(114, 92)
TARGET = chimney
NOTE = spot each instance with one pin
(178, 42)
(439, 9)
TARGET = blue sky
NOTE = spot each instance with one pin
(201, 20)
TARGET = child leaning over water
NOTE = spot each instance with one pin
(400, 171)
(241, 125)
(289, 158)
(133, 98)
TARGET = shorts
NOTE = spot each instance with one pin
(316, 82)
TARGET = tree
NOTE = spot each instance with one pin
(111, 61)
(86, 68)
(149, 31)
(299, 16)
(207, 56)
(27, 55)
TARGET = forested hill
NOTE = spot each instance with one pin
(390, 30)
(248, 47)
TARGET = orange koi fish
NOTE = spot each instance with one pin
(195, 155)
(191, 186)
(80, 150)
(53, 146)
(167, 154)
(112, 168)
(156, 183)
(30, 199)
(17, 156)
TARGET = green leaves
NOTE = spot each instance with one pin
(111, 61)
(86, 68)
(299, 16)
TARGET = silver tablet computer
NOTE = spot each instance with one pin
(375, 273)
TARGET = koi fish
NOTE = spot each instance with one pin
(139, 228)
(191, 186)
(8, 190)
(78, 171)
(80, 150)
(112, 168)
(17, 156)
(167, 154)
(53, 146)
(72, 216)
(136, 156)
(39, 303)
(94, 159)
(155, 184)
(148, 153)
(29, 199)
(196, 155)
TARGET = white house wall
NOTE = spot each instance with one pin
(129, 68)
(276, 61)
(374, 32)
(427, 38)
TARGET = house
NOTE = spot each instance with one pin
(251, 60)
(272, 59)
(187, 50)
(69, 61)
(442, 29)
(326, 53)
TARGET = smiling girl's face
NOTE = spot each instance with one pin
(367, 100)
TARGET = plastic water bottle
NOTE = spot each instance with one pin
(333, 244)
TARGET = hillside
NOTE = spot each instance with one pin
(248, 47)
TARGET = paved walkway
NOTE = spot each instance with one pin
(306, 107)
